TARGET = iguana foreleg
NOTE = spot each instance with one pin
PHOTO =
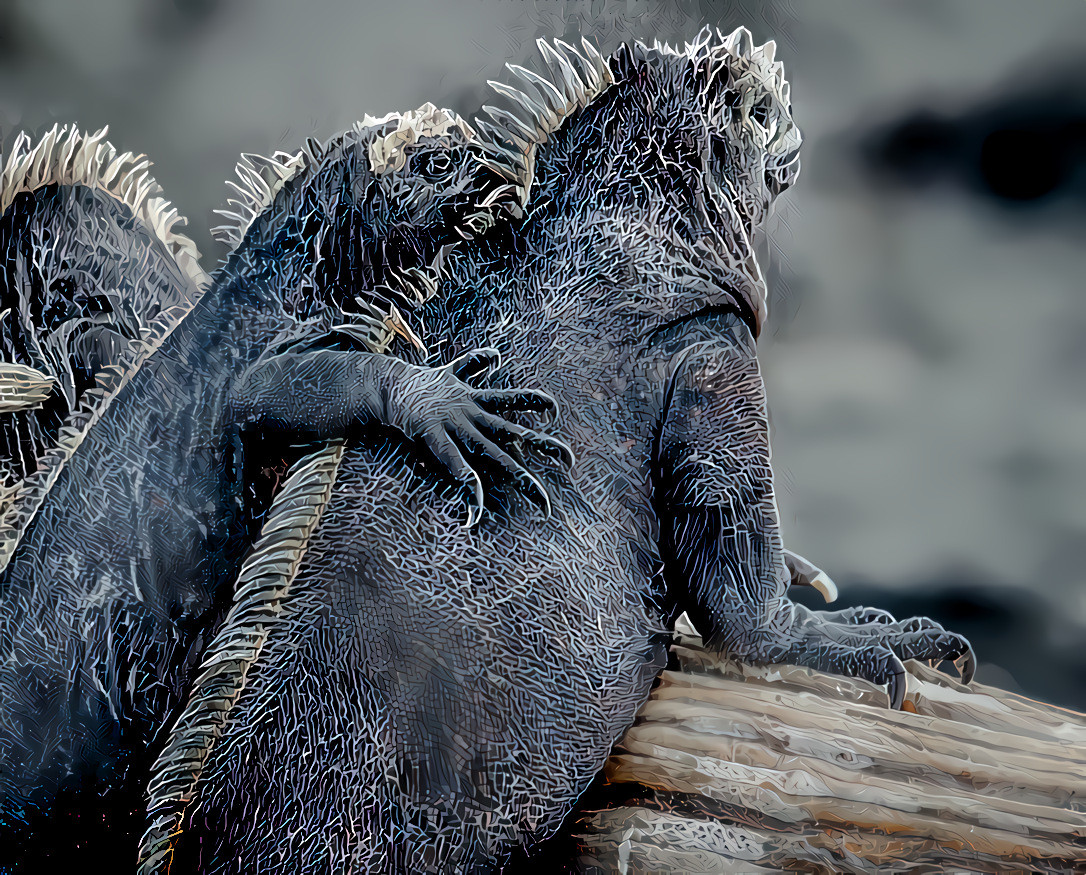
(323, 394)
(722, 547)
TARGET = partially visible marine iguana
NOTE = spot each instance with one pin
(125, 543)
(432, 697)
(94, 264)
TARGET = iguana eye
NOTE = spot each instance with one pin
(434, 164)
(760, 114)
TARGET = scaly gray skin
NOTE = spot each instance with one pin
(432, 696)
(116, 580)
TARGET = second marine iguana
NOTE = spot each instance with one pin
(94, 266)
(432, 697)
(125, 553)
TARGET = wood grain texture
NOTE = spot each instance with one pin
(747, 769)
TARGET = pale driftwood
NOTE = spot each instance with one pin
(738, 769)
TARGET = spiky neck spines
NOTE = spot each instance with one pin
(540, 106)
(65, 155)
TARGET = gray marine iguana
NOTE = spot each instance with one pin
(125, 541)
(432, 697)
(94, 263)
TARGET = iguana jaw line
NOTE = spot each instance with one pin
(753, 291)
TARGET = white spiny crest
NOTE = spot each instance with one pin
(758, 79)
(389, 152)
(539, 106)
(65, 155)
(260, 179)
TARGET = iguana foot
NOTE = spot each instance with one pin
(446, 410)
(863, 643)
(320, 394)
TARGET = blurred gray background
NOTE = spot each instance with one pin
(927, 339)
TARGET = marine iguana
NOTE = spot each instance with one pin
(94, 261)
(432, 700)
(123, 552)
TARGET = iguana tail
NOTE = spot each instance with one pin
(263, 588)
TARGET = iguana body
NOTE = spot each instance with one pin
(136, 539)
(432, 696)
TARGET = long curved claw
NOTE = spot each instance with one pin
(880, 665)
(512, 464)
(967, 664)
(897, 686)
(553, 447)
(535, 492)
(445, 450)
(548, 445)
(474, 365)
(804, 573)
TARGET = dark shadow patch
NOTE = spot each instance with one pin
(1025, 146)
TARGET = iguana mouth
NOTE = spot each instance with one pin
(781, 175)
(750, 301)
(735, 307)
(728, 246)
(739, 287)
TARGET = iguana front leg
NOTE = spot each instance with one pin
(721, 543)
(323, 394)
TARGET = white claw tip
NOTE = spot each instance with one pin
(824, 585)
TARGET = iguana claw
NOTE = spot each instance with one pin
(966, 665)
(835, 640)
(875, 650)
(456, 420)
(804, 573)
(897, 686)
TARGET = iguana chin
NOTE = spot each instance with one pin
(125, 538)
(432, 697)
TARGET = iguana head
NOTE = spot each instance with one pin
(725, 106)
(427, 189)
(708, 131)
(753, 141)
(720, 120)
(375, 209)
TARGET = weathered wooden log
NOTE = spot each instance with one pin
(739, 769)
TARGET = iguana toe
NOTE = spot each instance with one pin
(860, 616)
